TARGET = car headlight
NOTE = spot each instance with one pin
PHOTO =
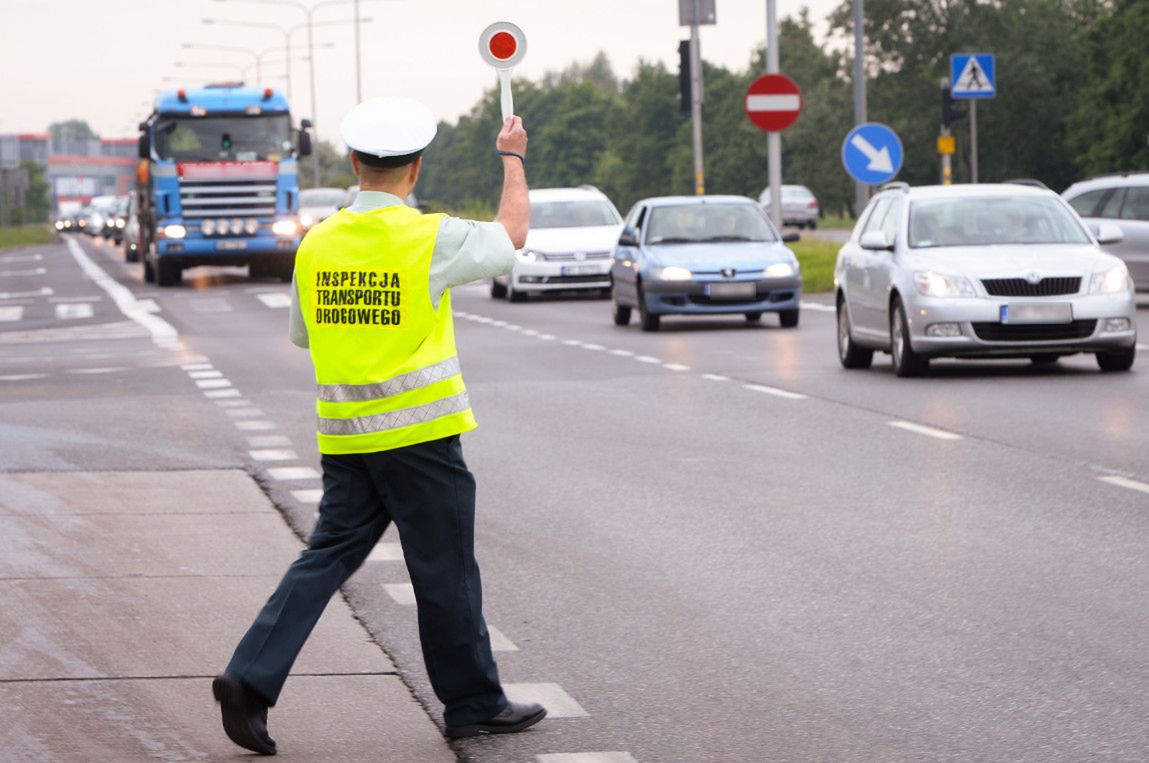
(306, 221)
(284, 228)
(59, 225)
(1114, 280)
(779, 270)
(672, 273)
(175, 231)
(119, 222)
(933, 284)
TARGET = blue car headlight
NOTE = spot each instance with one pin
(671, 273)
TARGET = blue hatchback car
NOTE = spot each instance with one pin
(703, 255)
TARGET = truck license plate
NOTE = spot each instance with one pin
(229, 245)
(1037, 312)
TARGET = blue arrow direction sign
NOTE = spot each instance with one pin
(872, 153)
(973, 75)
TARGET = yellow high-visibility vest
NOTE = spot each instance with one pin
(384, 357)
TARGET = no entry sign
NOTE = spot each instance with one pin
(773, 102)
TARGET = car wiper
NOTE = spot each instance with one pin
(675, 240)
(729, 238)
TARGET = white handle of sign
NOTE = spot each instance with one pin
(508, 102)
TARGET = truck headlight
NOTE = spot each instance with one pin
(933, 284)
(284, 228)
(175, 231)
(1112, 281)
(306, 221)
(207, 227)
(251, 227)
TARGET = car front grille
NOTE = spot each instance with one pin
(227, 198)
(570, 256)
(1020, 287)
(1034, 332)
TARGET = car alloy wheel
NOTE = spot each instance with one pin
(850, 354)
(650, 322)
(906, 361)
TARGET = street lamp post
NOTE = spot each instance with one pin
(212, 64)
(233, 49)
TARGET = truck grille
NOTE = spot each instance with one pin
(1019, 287)
(227, 198)
(1035, 332)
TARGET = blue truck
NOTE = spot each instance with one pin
(218, 182)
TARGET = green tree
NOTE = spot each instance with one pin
(37, 201)
(334, 167)
(71, 130)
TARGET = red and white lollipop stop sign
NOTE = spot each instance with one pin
(773, 102)
(503, 45)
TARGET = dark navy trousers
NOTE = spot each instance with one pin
(429, 493)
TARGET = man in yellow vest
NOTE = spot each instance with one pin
(372, 302)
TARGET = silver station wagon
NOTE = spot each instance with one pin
(998, 271)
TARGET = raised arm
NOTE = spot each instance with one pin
(514, 208)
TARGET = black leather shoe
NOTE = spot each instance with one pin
(244, 714)
(516, 717)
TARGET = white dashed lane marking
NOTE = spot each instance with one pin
(22, 377)
(75, 311)
(216, 393)
(271, 454)
(29, 272)
(43, 292)
(675, 367)
(499, 642)
(293, 473)
(402, 593)
(268, 441)
(553, 697)
(586, 757)
(275, 300)
(647, 359)
(386, 552)
(818, 307)
(205, 374)
(1125, 482)
(307, 496)
(255, 426)
(212, 383)
(244, 413)
(21, 258)
(939, 434)
(715, 377)
(774, 391)
(11, 313)
(197, 367)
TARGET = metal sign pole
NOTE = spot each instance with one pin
(773, 139)
(696, 101)
(973, 140)
(861, 192)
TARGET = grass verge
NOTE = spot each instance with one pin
(26, 235)
(817, 258)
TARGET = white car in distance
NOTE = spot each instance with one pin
(573, 232)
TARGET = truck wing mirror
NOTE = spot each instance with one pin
(304, 124)
(143, 147)
(304, 143)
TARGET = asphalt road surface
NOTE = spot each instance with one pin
(707, 544)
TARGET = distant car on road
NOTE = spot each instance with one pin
(991, 271)
(99, 209)
(1124, 201)
(703, 255)
(573, 231)
(799, 206)
(131, 236)
(317, 204)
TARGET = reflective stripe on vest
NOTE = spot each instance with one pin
(404, 417)
(347, 393)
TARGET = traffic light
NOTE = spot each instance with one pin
(950, 112)
(684, 100)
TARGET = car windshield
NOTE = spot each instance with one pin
(992, 220)
(572, 214)
(322, 197)
(694, 223)
(234, 138)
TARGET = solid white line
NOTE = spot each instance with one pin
(402, 593)
(275, 300)
(149, 305)
(586, 757)
(293, 473)
(122, 296)
(10, 314)
(774, 391)
(1124, 482)
(675, 367)
(940, 434)
(715, 377)
(273, 455)
(307, 496)
(818, 307)
(558, 703)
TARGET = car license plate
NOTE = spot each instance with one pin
(745, 290)
(581, 270)
(1037, 312)
(227, 245)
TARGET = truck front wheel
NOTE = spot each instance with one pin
(168, 273)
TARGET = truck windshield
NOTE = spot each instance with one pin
(232, 138)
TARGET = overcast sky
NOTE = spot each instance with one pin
(103, 60)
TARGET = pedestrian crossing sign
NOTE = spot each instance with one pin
(973, 75)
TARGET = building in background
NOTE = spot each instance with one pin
(76, 170)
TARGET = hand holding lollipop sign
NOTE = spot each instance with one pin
(503, 45)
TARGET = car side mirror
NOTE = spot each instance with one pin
(305, 141)
(143, 147)
(790, 238)
(875, 240)
(628, 237)
(1108, 233)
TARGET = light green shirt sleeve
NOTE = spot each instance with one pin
(465, 251)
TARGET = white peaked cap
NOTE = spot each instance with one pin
(389, 126)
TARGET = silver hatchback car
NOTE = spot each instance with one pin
(1000, 271)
